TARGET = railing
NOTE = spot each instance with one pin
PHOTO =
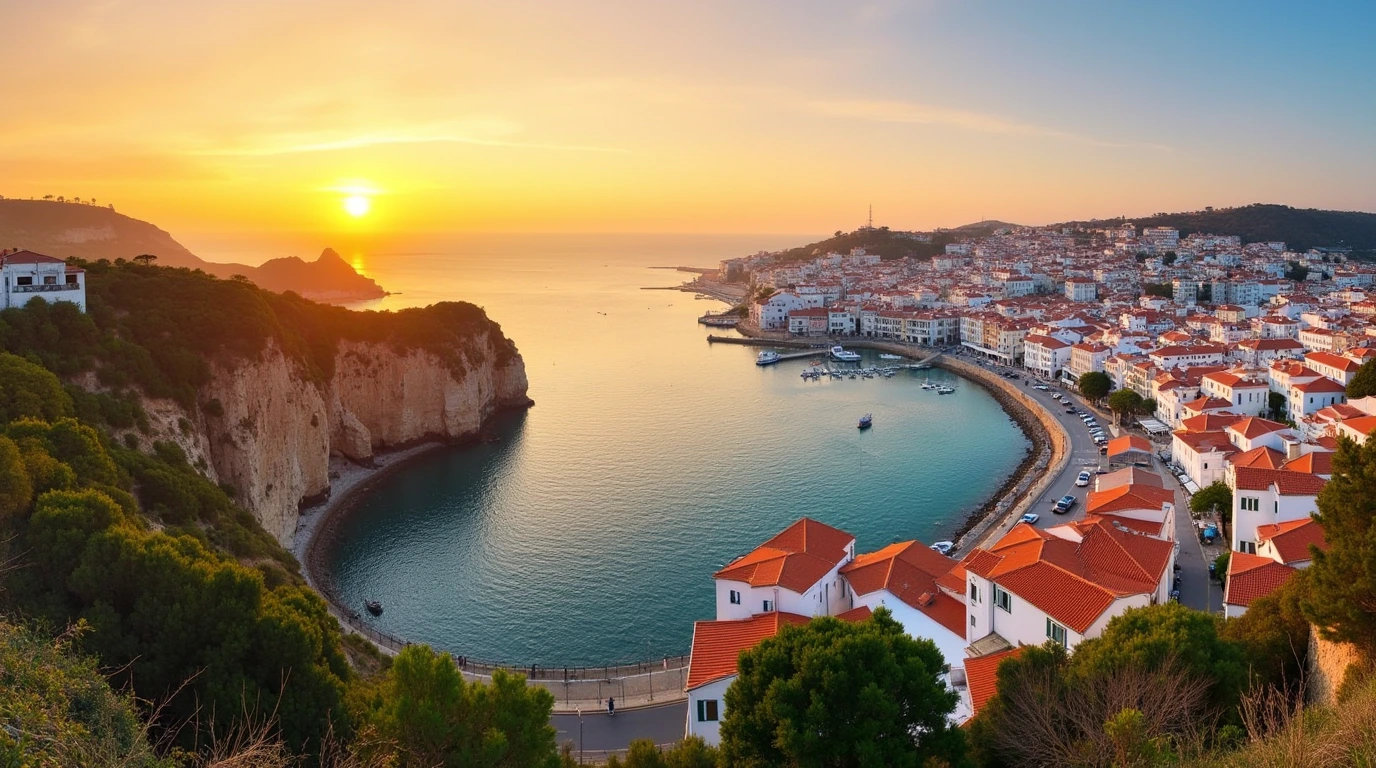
(46, 288)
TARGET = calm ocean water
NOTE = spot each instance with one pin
(590, 533)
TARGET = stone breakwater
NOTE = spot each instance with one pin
(268, 430)
(1046, 461)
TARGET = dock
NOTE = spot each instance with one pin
(923, 356)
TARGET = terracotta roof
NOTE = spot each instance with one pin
(1255, 426)
(1264, 457)
(1146, 527)
(1125, 443)
(855, 615)
(1287, 483)
(717, 645)
(1251, 576)
(28, 257)
(981, 674)
(1333, 361)
(1361, 425)
(1313, 463)
(907, 569)
(1207, 403)
(1124, 497)
(1208, 422)
(1320, 386)
(795, 559)
(1128, 476)
(1292, 538)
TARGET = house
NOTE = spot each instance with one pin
(1310, 397)
(1061, 584)
(903, 578)
(1336, 367)
(808, 321)
(982, 679)
(1202, 453)
(1245, 395)
(1129, 449)
(1086, 357)
(1357, 429)
(1288, 543)
(716, 648)
(1267, 497)
(25, 275)
(1045, 355)
(1080, 289)
(797, 571)
(1142, 507)
(771, 313)
(1248, 433)
(1251, 577)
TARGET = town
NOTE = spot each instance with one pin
(1240, 356)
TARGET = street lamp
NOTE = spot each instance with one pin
(650, 665)
(580, 734)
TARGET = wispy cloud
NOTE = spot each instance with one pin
(289, 145)
(914, 113)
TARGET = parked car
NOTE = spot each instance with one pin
(1043, 388)
(1070, 410)
(1030, 518)
(1064, 504)
(943, 547)
(1082, 480)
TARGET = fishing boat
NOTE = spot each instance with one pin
(887, 356)
(374, 607)
(866, 421)
(928, 384)
(767, 357)
(945, 390)
(844, 355)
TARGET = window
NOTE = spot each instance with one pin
(1250, 504)
(1003, 600)
(1055, 632)
(768, 606)
(735, 597)
(972, 620)
(707, 711)
(974, 592)
(71, 280)
(23, 280)
(52, 280)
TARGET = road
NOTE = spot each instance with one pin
(663, 724)
(1196, 589)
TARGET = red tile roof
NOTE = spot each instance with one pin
(1126, 443)
(1287, 483)
(1333, 361)
(1320, 386)
(1362, 424)
(1125, 497)
(1208, 422)
(1292, 538)
(981, 674)
(717, 645)
(1264, 457)
(909, 571)
(1128, 476)
(1255, 426)
(1251, 577)
(1314, 463)
(28, 257)
(795, 559)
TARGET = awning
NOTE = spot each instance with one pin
(1154, 426)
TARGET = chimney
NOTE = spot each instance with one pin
(1292, 449)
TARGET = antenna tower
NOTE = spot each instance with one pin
(870, 225)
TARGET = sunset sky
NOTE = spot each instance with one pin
(683, 117)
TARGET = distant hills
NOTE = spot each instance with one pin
(91, 232)
(1299, 228)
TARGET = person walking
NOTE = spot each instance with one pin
(611, 705)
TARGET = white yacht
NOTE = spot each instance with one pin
(887, 356)
(767, 357)
(840, 353)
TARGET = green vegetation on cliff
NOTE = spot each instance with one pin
(1298, 228)
(881, 241)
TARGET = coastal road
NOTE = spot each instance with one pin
(1196, 589)
(663, 724)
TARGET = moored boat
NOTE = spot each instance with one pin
(844, 355)
(887, 356)
(374, 607)
(866, 421)
(767, 357)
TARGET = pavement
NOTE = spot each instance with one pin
(602, 733)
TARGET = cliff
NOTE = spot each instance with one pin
(91, 232)
(274, 428)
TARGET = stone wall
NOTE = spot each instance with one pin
(1327, 666)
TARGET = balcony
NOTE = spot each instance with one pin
(46, 288)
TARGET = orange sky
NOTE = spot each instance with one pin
(621, 116)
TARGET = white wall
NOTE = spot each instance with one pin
(1272, 508)
(709, 731)
(918, 624)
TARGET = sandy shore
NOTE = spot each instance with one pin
(348, 483)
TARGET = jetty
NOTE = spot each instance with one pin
(924, 356)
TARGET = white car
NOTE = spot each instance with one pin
(943, 547)
(1082, 480)
(1030, 518)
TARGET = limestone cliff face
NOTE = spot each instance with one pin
(275, 428)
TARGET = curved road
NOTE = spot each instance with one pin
(663, 724)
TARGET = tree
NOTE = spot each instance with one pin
(1095, 385)
(1125, 402)
(1162, 290)
(1274, 635)
(1215, 495)
(1364, 383)
(30, 391)
(15, 489)
(1169, 258)
(1275, 403)
(835, 693)
(145, 259)
(1297, 271)
(1148, 406)
(426, 714)
(1342, 580)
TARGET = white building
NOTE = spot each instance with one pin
(1080, 289)
(797, 571)
(1267, 497)
(771, 314)
(25, 275)
(903, 578)
(1045, 355)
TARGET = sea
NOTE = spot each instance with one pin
(589, 533)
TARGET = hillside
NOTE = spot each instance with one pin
(90, 232)
(888, 244)
(1299, 228)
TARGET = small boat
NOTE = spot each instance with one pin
(374, 607)
(887, 356)
(844, 355)
(928, 385)
(866, 421)
(767, 357)
(945, 390)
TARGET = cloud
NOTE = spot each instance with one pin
(376, 140)
(913, 113)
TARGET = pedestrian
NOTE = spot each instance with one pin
(611, 705)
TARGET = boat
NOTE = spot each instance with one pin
(866, 421)
(767, 357)
(945, 390)
(844, 355)
(374, 607)
(928, 384)
(887, 356)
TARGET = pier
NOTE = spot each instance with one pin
(921, 355)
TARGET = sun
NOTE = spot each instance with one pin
(357, 205)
